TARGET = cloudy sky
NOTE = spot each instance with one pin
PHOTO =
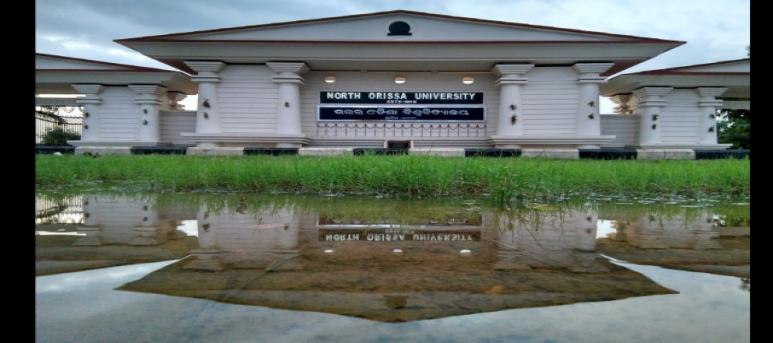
(714, 29)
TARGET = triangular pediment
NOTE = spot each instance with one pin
(375, 27)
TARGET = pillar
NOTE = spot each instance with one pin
(708, 103)
(650, 102)
(91, 102)
(588, 119)
(511, 80)
(149, 98)
(207, 116)
(288, 77)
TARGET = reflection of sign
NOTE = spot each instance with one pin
(388, 235)
(401, 113)
(336, 97)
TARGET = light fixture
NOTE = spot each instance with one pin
(330, 79)
(468, 80)
(400, 80)
(465, 251)
(328, 251)
(397, 251)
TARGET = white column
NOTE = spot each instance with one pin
(707, 128)
(91, 103)
(287, 76)
(149, 98)
(511, 80)
(174, 99)
(588, 120)
(207, 116)
(650, 102)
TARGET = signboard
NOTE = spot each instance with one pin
(423, 113)
(388, 235)
(410, 98)
(401, 106)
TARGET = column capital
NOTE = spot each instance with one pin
(511, 73)
(206, 70)
(156, 90)
(590, 72)
(148, 94)
(511, 69)
(710, 92)
(651, 96)
(287, 72)
(709, 96)
(288, 67)
(592, 68)
(91, 91)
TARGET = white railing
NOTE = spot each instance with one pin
(386, 129)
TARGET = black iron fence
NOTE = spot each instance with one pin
(66, 119)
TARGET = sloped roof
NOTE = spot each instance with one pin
(185, 36)
(94, 65)
(689, 69)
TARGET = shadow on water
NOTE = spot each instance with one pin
(389, 260)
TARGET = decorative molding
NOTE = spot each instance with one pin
(550, 140)
(246, 138)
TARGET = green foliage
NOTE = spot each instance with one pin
(59, 136)
(415, 176)
(735, 127)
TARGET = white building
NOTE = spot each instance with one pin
(434, 83)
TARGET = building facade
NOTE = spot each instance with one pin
(431, 83)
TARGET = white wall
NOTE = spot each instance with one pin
(550, 101)
(680, 120)
(175, 122)
(625, 128)
(119, 116)
(247, 99)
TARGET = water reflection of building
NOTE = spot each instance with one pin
(654, 231)
(114, 230)
(254, 240)
(392, 269)
(542, 239)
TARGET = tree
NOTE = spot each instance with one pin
(734, 127)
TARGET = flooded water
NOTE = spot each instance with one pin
(257, 268)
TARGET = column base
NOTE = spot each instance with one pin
(214, 151)
(665, 154)
(551, 153)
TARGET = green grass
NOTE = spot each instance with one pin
(502, 178)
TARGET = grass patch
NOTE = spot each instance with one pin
(420, 176)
